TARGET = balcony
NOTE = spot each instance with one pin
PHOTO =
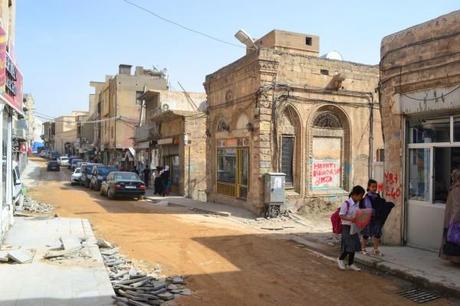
(145, 133)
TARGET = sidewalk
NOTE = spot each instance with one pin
(419, 266)
(71, 280)
(206, 207)
(423, 267)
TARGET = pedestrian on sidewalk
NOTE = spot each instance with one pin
(146, 173)
(373, 229)
(350, 231)
(165, 181)
(157, 181)
(450, 249)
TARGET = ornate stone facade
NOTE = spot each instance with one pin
(289, 114)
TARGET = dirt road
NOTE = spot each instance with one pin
(225, 263)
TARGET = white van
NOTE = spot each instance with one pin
(18, 196)
(63, 161)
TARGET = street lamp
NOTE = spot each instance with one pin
(244, 38)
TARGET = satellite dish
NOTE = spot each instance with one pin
(333, 55)
(165, 107)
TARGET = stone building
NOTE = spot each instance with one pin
(283, 108)
(420, 100)
(49, 128)
(66, 139)
(172, 132)
(119, 110)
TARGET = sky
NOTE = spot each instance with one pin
(62, 45)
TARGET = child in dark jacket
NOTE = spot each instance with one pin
(373, 229)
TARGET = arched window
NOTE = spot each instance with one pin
(222, 126)
(327, 120)
(289, 147)
(242, 122)
(329, 151)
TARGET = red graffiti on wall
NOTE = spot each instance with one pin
(325, 173)
(392, 186)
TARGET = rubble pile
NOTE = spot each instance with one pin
(136, 287)
(34, 206)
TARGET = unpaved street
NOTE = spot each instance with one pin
(225, 263)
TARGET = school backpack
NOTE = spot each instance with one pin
(337, 221)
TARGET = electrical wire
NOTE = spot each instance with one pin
(79, 122)
(431, 99)
(140, 7)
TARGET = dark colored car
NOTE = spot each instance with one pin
(123, 184)
(53, 166)
(86, 173)
(71, 158)
(99, 175)
(74, 163)
(54, 155)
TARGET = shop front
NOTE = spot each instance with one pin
(432, 153)
(11, 105)
(169, 156)
(233, 167)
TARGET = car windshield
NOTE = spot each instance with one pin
(74, 161)
(126, 176)
(78, 170)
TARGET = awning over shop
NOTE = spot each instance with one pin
(142, 145)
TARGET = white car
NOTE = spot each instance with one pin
(76, 175)
(63, 161)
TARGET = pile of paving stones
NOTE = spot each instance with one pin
(136, 287)
(31, 205)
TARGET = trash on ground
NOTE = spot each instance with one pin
(136, 287)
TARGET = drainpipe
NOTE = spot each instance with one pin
(371, 136)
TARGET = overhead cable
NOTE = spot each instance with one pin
(142, 8)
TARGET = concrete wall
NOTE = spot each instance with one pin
(421, 61)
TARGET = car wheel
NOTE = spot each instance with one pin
(110, 194)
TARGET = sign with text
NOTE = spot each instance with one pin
(326, 173)
(10, 77)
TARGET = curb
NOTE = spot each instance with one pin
(421, 281)
(382, 266)
(196, 209)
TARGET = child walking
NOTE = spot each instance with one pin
(350, 232)
(373, 229)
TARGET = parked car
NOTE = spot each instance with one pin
(54, 155)
(43, 153)
(71, 158)
(123, 184)
(86, 173)
(99, 175)
(74, 163)
(53, 165)
(63, 161)
(75, 177)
